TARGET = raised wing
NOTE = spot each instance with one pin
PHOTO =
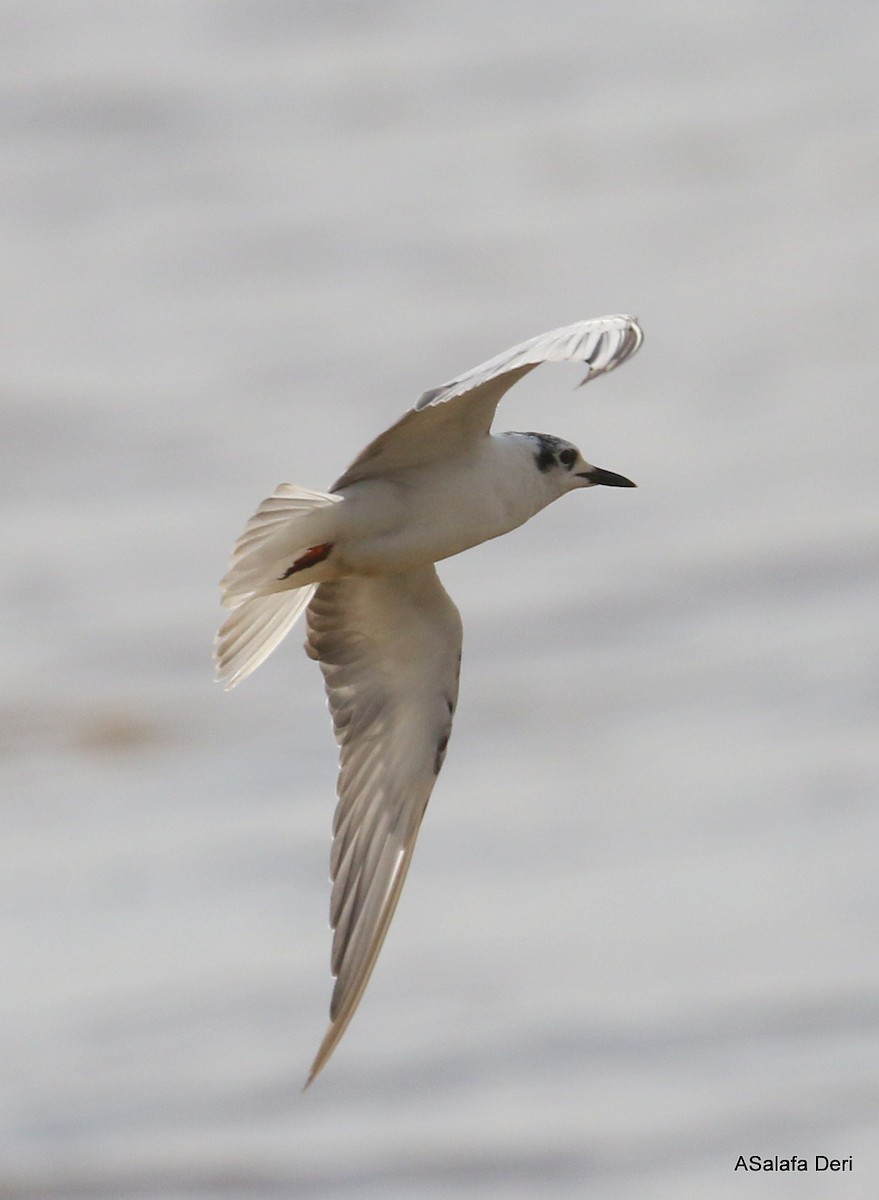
(445, 419)
(390, 649)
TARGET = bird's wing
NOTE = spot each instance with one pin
(447, 418)
(389, 648)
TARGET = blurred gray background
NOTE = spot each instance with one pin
(640, 936)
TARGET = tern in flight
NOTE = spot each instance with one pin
(359, 560)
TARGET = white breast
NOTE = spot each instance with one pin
(423, 516)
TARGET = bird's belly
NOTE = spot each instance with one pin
(404, 527)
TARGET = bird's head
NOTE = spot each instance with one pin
(564, 466)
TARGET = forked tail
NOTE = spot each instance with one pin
(291, 530)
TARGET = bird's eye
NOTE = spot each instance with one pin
(567, 457)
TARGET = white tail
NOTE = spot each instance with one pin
(284, 527)
(254, 629)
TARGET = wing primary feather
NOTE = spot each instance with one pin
(389, 648)
(448, 418)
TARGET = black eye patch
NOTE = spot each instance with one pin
(546, 450)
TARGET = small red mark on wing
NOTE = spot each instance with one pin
(312, 556)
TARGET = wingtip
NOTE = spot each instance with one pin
(637, 333)
(316, 1067)
(325, 1050)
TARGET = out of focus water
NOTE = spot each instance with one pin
(640, 938)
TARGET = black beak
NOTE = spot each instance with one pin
(596, 475)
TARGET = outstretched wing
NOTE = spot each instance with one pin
(445, 419)
(389, 648)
